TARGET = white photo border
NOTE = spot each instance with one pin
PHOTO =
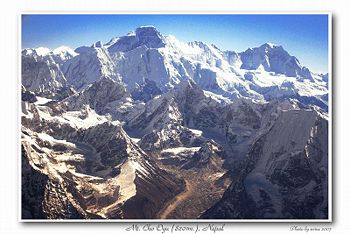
(330, 119)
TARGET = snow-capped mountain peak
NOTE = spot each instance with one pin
(149, 64)
(273, 58)
(270, 44)
(91, 64)
(42, 51)
(63, 53)
(29, 52)
(64, 49)
(145, 35)
(97, 44)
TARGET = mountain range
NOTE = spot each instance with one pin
(147, 126)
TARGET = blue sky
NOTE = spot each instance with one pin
(304, 36)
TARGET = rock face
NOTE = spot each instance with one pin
(88, 66)
(274, 59)
(94, 169)
(123, 130)
(187, 116)
(27, 96)
(143, 36)
(62, 54)
(209, 155)
(41, 74)
(98, 95)
(285, 173)
(146, 92)
(33, 190)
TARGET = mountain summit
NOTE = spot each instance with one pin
(143, 36)
(273, 58)
(146, 58)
